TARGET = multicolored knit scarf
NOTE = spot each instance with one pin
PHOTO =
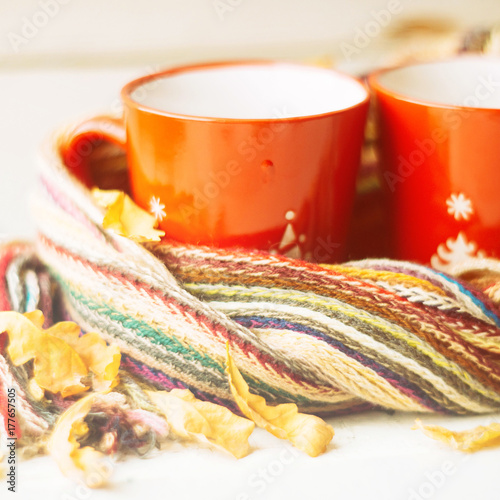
(330, 338)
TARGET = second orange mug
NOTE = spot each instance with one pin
(440, 153)
(257, 154)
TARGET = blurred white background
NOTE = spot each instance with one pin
(113, 32)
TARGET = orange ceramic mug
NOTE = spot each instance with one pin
(439, 127)
(259, 154)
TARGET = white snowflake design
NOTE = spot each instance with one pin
(157, 208)
(454, 251)
(459, 206)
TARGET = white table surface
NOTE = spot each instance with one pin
(373, 455)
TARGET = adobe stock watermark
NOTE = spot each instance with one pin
(32, 25)
(324, 250)
(106, 126)
(94, 479)
(220, 180)
(141, 92)
(453, 119)
(364, 36)
(223, 7)
(260, 480)
(435, 481)
(248, 149)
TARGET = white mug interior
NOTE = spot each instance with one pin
(468, 81)
(250, 91)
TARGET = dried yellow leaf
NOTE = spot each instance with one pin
(75, 462)
(36, 317)
(125, 217)
(204, 422)
(56, 366)
(307, 432)
(471, 440)
(101, 359)
(60, 357)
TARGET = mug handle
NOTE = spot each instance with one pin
(94, 151)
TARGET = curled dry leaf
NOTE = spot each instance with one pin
(60, 357)
(204, 422)
(307, 432)
(36, 317)
(56, 366)
(125, 217)
(75, 462)
(471, 440)
(101, 359)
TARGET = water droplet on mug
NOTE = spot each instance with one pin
(268, 169)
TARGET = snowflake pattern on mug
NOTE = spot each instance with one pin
(157, 208)
(459, 206)
(454, 251)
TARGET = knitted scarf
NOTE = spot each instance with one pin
(330, 338)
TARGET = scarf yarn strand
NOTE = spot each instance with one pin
(330, 338)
